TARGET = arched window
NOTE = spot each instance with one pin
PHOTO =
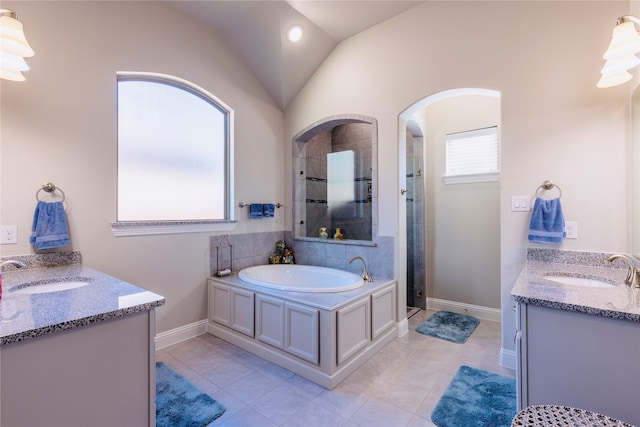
(174, 153)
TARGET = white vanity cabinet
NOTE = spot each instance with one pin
(578, 359)
(323, 338)
(80, 357)
(101, 374)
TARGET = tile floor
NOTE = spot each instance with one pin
(399, 386)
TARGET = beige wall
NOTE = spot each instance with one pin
(544, 58)
(60, 126)
(463, 233)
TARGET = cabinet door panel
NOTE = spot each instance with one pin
(580, 360)
(270, 313)
(302, 332)
(242, 307)
(220, 303)
(353, 328)
(383, 311)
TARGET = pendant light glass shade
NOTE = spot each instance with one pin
(625, 41)
(615, 66)
(621, 53)
(610, 80)
(13, 47)
(12, 75)
(11, 62)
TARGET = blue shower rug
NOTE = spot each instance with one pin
(181, 404)
(476, 398)
(449, 326)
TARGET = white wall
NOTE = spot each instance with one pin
(544, 58)
(60, 126)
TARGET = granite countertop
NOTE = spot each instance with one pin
(29, 315)
(619, 301)
(324, 301)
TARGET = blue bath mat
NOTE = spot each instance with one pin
(449, 326)
(181, 404)
(476, 398)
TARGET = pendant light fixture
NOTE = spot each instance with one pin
(621, 53)
(13, 47)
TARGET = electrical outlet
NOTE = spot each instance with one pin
(571, 229)
(8, 234)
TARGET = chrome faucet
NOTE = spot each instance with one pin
(365, 274)
(9, 262)
(633, 274)
(12, 262)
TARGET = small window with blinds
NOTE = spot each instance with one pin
(472, 156)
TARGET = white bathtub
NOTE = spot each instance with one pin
(301, 278)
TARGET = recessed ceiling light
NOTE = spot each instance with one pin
(294, 34)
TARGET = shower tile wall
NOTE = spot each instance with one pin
(317, 149)
(356, 137)
(313, 163)
(416, 276)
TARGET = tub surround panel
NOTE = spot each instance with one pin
(378, 256)
(323, 337)
(619, 302)
(248, 250)
(323, 301)
(254, 249)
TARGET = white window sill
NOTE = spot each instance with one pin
(149, 228)
(466, 179)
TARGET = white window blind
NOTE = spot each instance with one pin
(473, 153)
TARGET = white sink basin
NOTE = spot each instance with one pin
(579, 281)
(42, 288)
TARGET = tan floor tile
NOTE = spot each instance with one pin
(399, 386)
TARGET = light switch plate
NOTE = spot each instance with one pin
(520, 203)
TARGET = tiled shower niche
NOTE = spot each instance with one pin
(334, 187)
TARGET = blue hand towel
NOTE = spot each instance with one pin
(547, 222)
(49, 229)
(255, 210)
(268, 210)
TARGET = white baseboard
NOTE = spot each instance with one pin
(462, 308)
(508, 358)
(403, 327)
(182, 333)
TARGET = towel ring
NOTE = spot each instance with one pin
(50, 187)
(546, 186)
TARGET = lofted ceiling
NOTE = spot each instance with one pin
(257, 31)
